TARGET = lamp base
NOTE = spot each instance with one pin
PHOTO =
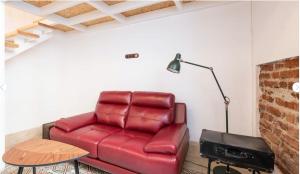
(223, 170)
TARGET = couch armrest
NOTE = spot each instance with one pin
(180, 113)
(46, 130)
(167, 140)
(71, 123)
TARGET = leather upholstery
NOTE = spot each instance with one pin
(86, 138)
(112, 108)
(115, 97)
(150, 116)
(125, 149)
(75, 122)
(153, 99)
(167, 140)
(153, 141)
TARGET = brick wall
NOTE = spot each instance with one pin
(279, 111)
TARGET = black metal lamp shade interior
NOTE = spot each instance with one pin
(174, 65)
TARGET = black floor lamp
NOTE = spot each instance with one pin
(174, 66)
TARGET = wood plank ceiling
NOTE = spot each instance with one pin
(149, 8)
(80, 15)
(76, 10)
(38, 3)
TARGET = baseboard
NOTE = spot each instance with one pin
(18, 137)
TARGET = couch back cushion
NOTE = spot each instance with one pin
(150, 111)
(112, 107)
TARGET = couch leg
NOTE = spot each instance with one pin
(76, 167)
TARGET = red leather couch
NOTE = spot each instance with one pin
(130, 132)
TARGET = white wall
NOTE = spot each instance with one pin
(15, 19)
(275, 35)
(275, 30)
(2, 107)
(65, 75)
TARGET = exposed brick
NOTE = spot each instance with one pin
(267, 125)
(275, 75)
(272, 84)
(264, 76)
(287, 164)
(283, 84)
(293, 132)
(267, 67)
(268, 98)
(291, 63)
(274, 138)
(269, 92)
(290, 84)
(273, 111)
(294, 94)
(279, 112)
(291, 118)
(267, 116)
(279, 65)
(290, 105)
(277, 132)
(282, 125)
(291, 142)
(261, 107)
(289, 74)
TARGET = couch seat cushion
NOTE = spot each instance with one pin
(86, 137)
(125, 149)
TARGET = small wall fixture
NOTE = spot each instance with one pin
(132, 56)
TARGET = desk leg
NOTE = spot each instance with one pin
(20, 171)
(208, 166)
(76, 167)
(33, 170)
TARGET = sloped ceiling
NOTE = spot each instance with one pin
(86, 14)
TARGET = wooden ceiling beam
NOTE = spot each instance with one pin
(101, 6)
(130, 5)
(47, 26)
(11, 44)
(178, 4)
(26, 27)
(11, 34)
(30, 26)
(28, 34)
(58, 6)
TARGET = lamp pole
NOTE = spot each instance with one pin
(226, 99)
(174, 66)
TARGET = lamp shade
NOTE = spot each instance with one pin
(174, 65)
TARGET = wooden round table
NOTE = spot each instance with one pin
(42, 152)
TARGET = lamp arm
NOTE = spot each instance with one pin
(195, 64)
(226, 99)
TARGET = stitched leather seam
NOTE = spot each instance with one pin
(146, 118)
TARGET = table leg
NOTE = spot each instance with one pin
(76, 167)
(33, 170)
(208, 166)
(20, 171)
